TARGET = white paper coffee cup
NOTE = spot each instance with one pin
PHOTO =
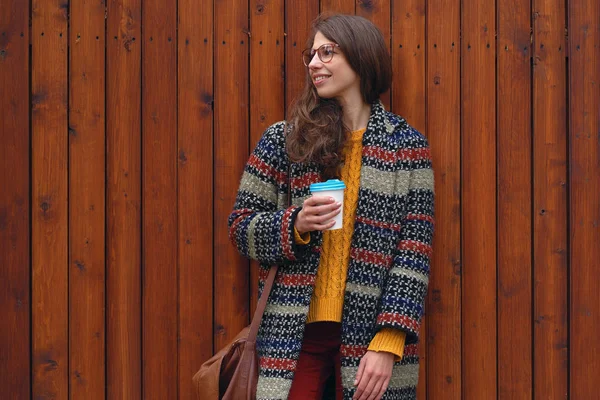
(331, 188)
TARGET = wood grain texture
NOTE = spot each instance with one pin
(159, 201)
(298, 26)
(15, 273)
(515, 364)
(231, 152)
(123, 200)
(478, 92)
(584, 174)
(408, 61)
(408, 100)
(338, 6)
(267, 83)
(379, 12)
(86, 200)
(195, 193)
(550, 200)
(443, 131)
(49, 256)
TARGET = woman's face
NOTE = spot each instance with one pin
(334, 79)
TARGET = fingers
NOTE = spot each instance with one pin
(317, 200)
(359, 373)
(373, 376)
(365, 386)
(317, 214)
(372, 385)
(361, 379)
(322, 217)
(384, 387)
(374, 394)
(320, 205)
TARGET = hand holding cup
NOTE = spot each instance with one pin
(317, 214)
(323, 210)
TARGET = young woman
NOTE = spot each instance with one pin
(346, 302)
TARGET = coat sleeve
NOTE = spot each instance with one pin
(402, 301)
(261, 223)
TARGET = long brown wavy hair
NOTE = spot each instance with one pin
(317, 132)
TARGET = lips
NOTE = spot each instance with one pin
(320, 79)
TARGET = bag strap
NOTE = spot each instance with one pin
(262, 302)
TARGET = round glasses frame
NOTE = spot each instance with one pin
(309, 54)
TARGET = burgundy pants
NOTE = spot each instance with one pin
(319, 358)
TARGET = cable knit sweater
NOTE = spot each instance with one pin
(328, 295)
(390, 251)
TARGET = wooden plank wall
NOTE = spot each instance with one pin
(442, 53)
(49, 200)
(123, 200)
(86, 229)
(549, 205)
(15, 200)
(125, 127)
(514, 171)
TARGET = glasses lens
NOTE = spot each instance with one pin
(307, 56)
(326, 53)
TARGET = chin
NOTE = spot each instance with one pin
(326, 94)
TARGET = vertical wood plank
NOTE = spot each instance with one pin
(408, 100)
(298, 20)
(584, 117)
(15, 276)
(378, 12)
(550, 200)
(49, 199)
(230, 152)
(159, 200)
(478, 85)
(408, 61)
(86, 200)
(338, 6)
(515, 364)
(443, 130)
(195, 195)
(123, 194)
(267, 86)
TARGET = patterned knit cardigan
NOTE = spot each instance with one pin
(390, 251)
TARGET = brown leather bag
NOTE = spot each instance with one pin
(232, 373)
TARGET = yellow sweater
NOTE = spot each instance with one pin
(328, 296)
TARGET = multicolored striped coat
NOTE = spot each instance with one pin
(390, 252)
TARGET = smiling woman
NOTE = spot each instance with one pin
(347, 300)
(350, 71)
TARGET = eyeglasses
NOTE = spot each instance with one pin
(325, 53)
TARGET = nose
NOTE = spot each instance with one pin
(315, 63)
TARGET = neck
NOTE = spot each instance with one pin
(356, 113)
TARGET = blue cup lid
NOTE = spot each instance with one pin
(332, 184)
